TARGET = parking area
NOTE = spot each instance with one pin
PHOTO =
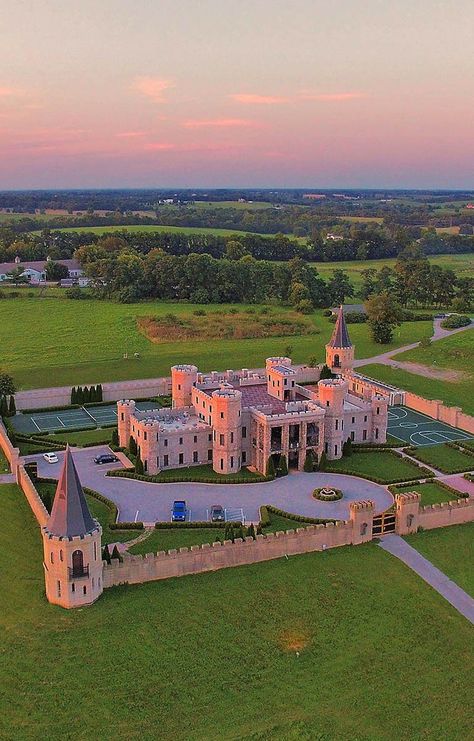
(415, 428)
(102, 415)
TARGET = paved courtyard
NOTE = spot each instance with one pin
(149, 502)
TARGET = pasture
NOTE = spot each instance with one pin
(167, 229)
(380, 654)
(57, 341)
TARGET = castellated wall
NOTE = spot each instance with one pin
(446, 513)
(211, 557)
(32, 496)
(435, 409)
(11, 454)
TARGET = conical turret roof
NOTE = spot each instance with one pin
(70, 514)
(340, 336)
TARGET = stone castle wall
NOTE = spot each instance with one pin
(32, 496)
(435, 409)
(11, 454)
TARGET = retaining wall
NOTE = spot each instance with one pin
(435, 409)
(11, 454)
(34, 499)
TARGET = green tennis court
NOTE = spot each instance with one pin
(415, 428)
(71, 419)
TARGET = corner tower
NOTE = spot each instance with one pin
(340, 350)
(72, 544)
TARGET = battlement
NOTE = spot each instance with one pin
(362, 506)
(406, 497)
(453, 504)
(74, 538)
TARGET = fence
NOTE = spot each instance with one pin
(32, 496)
(435, 409)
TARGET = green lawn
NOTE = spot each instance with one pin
(160, 228)
(205, 473)
(382, 655)
(4, 465)
(56, 341)
(378, 463)
(451, 393)
(451, 549)
(445, 458)
(455, 352)
(431, 493)
(82, 437)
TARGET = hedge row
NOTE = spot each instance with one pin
(177, 479)
(413, 452)
(195, 525)
(62, 408)
(395, 488)
(125, 525)
(40, 442)
(457, 445)
(266, 510)
(360, 447)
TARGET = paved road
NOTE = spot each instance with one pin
(154, 501)
(456, 596)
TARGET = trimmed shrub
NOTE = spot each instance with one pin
(132, 446)
(347, 448)
(327, 494)
(291, 516)
(116, 554)
(282, 469)
(115, 437)
(270, 471)
(139, 466)
(106, 554)
(455, 320)
(11, 406)
(309, 462)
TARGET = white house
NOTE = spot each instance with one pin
(35, 270)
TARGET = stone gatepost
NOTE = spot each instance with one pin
(407, 513)
(361, 517)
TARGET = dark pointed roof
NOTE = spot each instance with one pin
(70, 514)
(340, 336)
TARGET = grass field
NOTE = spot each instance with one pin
(4, 465)
(382, 655)
(204, 473)
(451, 549)
(463, 266)
(431, 493)
(246, 206)
(83, 437)
(160, 228)
(379, 463)
(54, 341)
(445, 458)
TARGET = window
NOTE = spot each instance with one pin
(231, 437)
(376, 433)
(180, 440)
(84, 589)
(353, 420)
(221, 439)
(378, 410)
(95, 552)
(93, 582)
(337, 424)
(209, 455)
(165, 443)
(335, 450)
(352, 435)
(232, 461)
(244, 432)
(222, 415)
(181, 458)
(195, 456)
(58, 585)
(286, 382)
(145, 465)
(165, 460)
(210, 437)
(222, 464)
(144, 435)
(364, 435)
(195, 438)
(73, 587)
(61, 555)
(326, 447)
(363, 528)
(327, 403)
(365, 418)
(51, 557)
(122, 416)
(244, 457)
(179, 387)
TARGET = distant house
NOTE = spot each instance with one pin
(334, 237)
(35, 270)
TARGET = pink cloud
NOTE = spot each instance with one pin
(7, 92)
(308, 95)
(158, 146)
(224, 123)
(253, 98)
(129, 134)
(152, 87)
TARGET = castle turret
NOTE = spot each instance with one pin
(332, 392)
(361, 516)
(72, 544)
(183, 378)
(379, 406)
(340, 350)
(125, 410)
(227, 433)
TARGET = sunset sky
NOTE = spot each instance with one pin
(216, 93)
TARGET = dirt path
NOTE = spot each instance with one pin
(451, 376)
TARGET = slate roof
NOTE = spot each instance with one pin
(70, 514)
(340, 336)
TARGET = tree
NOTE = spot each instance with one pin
(139, 466)
(106, 554)
(55, 270)
(322, 461)
(282, 466)
(326, 373)
(7, 386)
(309, 462)
(347, 448)
(270, 471)
(73, 395)
(3, 406)
(12, 406)
(234, 250)
(115, 437)
(116, 554)
(132, 446)
(383, 314)
(339, 287)
(251, 531)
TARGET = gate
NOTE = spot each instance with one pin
(384, 523)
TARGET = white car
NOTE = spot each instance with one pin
(50, 457)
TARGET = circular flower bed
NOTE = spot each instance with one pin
(327, 494)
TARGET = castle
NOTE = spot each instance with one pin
(242, 418)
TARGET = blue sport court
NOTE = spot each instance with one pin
(414, 428)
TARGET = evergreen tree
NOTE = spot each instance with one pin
(100, 394)
(251, 531)
(79, 396)
(322, 461)
(309, 462)
(347, 448)
(73, 395)
(270, 467)
(116, 554)
(139, 466)
(106, 554)
(86, 395)
(326, 373)
(115, 437)
(132, 446)
(12, 407)
(283, 466)
(3, 407)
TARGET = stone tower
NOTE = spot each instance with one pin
(332, 392)
(227, 433)
(125, 410)
(183, 378)
(340, 350)
(72, 544)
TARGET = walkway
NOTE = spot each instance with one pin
(7, 478)
(456, 596)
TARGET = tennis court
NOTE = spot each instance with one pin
(415, 428)
(72, 419)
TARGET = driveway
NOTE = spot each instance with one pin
(149, 502)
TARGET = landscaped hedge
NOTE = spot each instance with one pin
(469, 477)
(125, 525)
(412, 450)
(177, 479)
(62, 408)
(327, 494)
(195, 525)
(457, 445)
(361, 447)
(267, 509)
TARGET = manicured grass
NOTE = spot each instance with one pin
(4, 465)
(444, 458)
(455, 352)
(378, 463)
(431, 493)
(99, 510)
(451, 549)
(205, 473)
(164, 540)
(381, 654)
(56, 341)
(451, 393)
(82, 437)
(158, 228)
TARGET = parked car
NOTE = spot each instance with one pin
(217, 513)
(105, 458)
(179, 511)
(50, 457)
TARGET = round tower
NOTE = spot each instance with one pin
(183, 378)
(379, 406)
(147, 444)
(340, 350)
(332, 392)
(72, 545)
(269, 362)
(125, 410)
(227, 432)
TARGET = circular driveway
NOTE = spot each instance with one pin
(149, 502)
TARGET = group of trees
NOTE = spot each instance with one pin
(7, 395)
(86, 394)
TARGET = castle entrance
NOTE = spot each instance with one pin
(293, 459)
(384, 523)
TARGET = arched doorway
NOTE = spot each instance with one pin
(77, 563)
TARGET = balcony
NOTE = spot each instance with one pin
(78, 572)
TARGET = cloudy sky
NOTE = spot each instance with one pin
(215, 93)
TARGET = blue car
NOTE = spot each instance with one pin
(179, 511)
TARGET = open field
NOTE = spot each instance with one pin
(361, 219)
(168, 229)
(246, 206)
(451, 549)
(463, 266)
(382, 655)
(56, 341)
(379, 463)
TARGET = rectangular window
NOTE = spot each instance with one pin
(181, 459)
(232, 461)
(364, 435)
(325, 448)
(335, 450)
(180, 440)
(244, 433)
(244, 457)
(231, 437)
(222, 415)
(376, 433)
(353, 420)
(144, 435)
(195, 456)
(327, 403)
(73, 587)
(365, 418)
(222, 464)
(210, 437)
(221, 439)
(84, 589)
(145, 465)
(337, 424)
(378, 410)
(352, 435)
(195, 438)
(165, 443)
(209, 455)
(59, 588)
(165, 461)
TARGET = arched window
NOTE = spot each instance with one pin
(77, 563)
(337, 361)
(51, 557)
